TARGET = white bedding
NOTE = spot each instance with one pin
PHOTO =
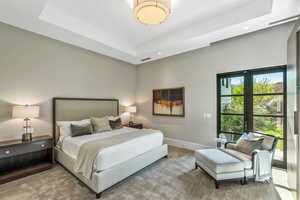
(116, 154)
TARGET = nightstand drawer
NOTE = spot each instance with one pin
(41, 145)
(7, 152)
(24, 148)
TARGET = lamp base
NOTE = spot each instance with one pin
(26, 137)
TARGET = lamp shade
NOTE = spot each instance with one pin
(25, 112)
(131, 109)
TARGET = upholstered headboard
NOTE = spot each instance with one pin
(73, 109)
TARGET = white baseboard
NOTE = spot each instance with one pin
(184, 144)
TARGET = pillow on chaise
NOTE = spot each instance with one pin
(247, 146)
(268, 141)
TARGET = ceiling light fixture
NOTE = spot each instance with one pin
(152, 11)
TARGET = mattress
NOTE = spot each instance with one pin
(116, 154)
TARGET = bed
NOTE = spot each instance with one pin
(113, 163)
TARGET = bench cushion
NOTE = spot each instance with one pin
(242, 156)
(218, 161)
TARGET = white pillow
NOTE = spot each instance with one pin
(65, 126)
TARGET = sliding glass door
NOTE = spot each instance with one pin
(254, 100)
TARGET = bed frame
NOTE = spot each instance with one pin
(68, 109)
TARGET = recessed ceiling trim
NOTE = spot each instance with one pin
(123, 38)
(285, 20)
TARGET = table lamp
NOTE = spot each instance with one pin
(131, 110)
(27, 113)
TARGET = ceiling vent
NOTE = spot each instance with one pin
(146, 59)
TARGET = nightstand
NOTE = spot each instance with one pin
(135, 125)
(19, 159)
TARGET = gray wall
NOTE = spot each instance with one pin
(196, 71)
(292, 139)
(33, 69)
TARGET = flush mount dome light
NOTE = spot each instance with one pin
(152, 11)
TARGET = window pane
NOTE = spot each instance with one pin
(269, 125)
(268, 83)
(268, 104)
(232, 105)
(233, 85)
(279, 150)
(232, 123)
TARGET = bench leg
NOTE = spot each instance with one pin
(244, 181)
(196, 165)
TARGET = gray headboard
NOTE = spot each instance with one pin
(73, 109)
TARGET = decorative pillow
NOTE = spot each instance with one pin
(267, 142)
(80, 130)
(100, 124)
(116, 124)
(65, 126)
(247, 146)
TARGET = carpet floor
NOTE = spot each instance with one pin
(168, 179)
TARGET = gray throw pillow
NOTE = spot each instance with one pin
(248, 146)
(80, 130)
(116, 124)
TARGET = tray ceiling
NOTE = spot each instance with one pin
(109, 28)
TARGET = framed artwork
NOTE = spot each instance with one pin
(168, 102)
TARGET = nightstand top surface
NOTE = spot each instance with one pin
(19, 141)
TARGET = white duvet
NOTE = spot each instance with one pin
(110, 156)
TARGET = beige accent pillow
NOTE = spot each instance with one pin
(100, 124)
(267, 142)
(247, 146)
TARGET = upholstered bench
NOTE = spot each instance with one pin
(220, 165)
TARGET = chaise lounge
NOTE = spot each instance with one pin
(233, 162)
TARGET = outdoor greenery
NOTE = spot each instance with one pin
(262, 105)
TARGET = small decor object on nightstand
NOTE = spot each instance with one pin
(131, 110)
(26, 112)
(221, 140)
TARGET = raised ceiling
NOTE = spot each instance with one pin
(108, 26)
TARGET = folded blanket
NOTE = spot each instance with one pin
(263, 165)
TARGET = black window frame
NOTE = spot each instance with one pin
(248, 103)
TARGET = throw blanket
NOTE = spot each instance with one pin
(88, 151)
(263, 166)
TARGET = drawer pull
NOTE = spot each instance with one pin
(43, 145)
(7, 152)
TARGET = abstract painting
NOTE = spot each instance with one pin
(169, 102)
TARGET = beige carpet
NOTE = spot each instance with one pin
(167, 179)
